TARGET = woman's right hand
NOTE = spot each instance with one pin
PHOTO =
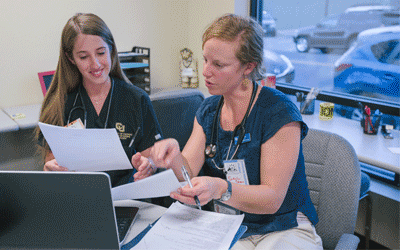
(206, 188)
(53, 166)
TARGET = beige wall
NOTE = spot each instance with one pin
(30, 36)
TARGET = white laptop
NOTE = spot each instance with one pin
(54, 210)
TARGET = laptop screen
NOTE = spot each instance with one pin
(53, 210)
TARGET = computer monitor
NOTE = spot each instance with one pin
(45, 80)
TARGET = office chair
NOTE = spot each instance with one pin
(175, 111)
(334, 179)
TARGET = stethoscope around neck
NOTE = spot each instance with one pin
(211, 149)
(83, 107)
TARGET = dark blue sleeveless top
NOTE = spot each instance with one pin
(271, 111)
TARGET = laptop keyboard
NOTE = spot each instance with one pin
(123, 225)
(125, 217)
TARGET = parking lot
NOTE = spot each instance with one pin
(312, 69)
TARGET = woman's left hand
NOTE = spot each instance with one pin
(206, 188)
(143, 166)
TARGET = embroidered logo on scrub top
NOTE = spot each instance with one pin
(121, 129)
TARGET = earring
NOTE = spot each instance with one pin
(245, 81)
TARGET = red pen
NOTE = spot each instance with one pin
(368, 121)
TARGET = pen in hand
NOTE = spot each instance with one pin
(187, 179)
(134, 136)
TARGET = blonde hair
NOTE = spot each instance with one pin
(67, 76)
(230, 27)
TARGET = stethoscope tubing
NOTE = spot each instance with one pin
(83, 107)
(211, 149)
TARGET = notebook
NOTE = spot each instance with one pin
(53, 210)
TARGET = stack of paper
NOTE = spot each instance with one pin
(184, 227)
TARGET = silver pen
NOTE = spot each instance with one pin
(187, 179)
(134, 136)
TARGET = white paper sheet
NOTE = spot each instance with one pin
(158, 185)
(86, 149)
(183, 227)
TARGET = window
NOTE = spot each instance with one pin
(347, 49)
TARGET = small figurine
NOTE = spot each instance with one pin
(188, 69)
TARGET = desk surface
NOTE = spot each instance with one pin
(25, 116)
(371, 149)
(147, 214)
(6, 123)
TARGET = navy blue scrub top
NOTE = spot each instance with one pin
(130, 108)
(271, 111)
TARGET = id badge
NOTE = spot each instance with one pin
(76, 124)
(222, 208)
(236, 172)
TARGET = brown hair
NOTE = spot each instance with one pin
(67, 76)
(230, 27)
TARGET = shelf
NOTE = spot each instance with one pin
(134, 65)
(129, 54)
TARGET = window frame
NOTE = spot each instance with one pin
(388, 108)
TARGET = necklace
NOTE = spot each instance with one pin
(109, 102)
(99, 100)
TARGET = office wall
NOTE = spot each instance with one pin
(202, 14)
(31, 31)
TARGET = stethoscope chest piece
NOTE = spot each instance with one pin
(211, 150)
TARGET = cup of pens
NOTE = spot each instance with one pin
(307, 107)
(307, 103)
